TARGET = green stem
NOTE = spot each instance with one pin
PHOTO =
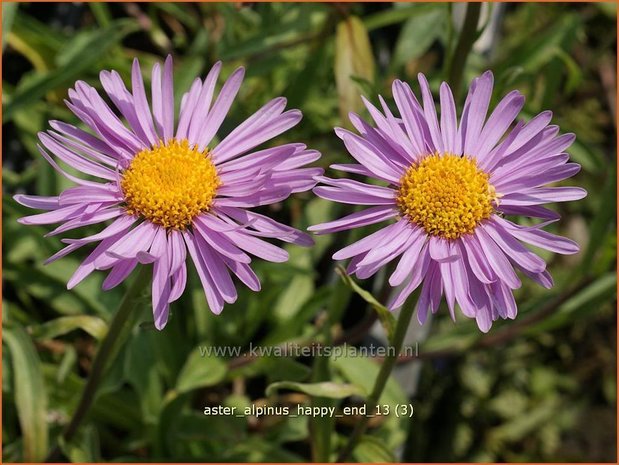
(119, 329)
(321, 428)
(381, 380)
(467, 38)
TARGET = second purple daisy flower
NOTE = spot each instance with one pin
(449, 186)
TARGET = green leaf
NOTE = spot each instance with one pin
(586, 301)
(141, 371)
(386, 317)
(353, 58)
(101, 12)
(362, 372)
(93, 325)
(325, 389)
(8, 14)
(603, 220)
(299, 290)
(200, 371)
(417, 35)
(532, 55)
(84, 447)
(30, 393)
(373, 450)
(88, 49)
(399, 13)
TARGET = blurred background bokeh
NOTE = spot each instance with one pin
(541, 388)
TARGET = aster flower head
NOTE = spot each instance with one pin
(168, 189)
(449, 187)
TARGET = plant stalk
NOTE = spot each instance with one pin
(466, 39)
(121, 325)
(381, 380)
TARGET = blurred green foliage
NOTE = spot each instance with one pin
(540, 388)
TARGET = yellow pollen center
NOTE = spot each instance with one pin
(447, 195)
(170, 184)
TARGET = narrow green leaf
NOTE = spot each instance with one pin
(362, 372)
(417, 35)
(325, 389)
(30, 393)
(200, 371)
(93, 325)
(101, 12)
(9, 9)
(586, 301)
(603, 220)
(399, 13)
(386, 317)
(85, 447)
(73, 62)
(373, 450)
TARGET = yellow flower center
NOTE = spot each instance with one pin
(170, 184)
(447, 195)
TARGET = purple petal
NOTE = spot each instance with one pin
(55, 216)
(244, 272)
(504, 300)
(98, 217)
(514, 249)
(366, 154)
(476, 259)
(88, 265)
(219, 241)
(239, 140)
(500, 120)
(84, 138)
(122, 98)
(449, 121)
(543, 195)
(168, 99)
(188, 104)
(531, 211)
(161, 289)
(365, 217)
(431, 292)
(213, 297)
(473, 122)
(217, 270)
(139, 239)
(118, 225)
(75, 179)
(497, 259)
(88, 194)
(412, 115)
(119, 273)
(37, 201)
(429, 110)
(143, 113)
(354, 198)
(418, 272)
(387, 250)
(410, 258)
(202, 107)
(220, 109)
(179, 281)
(258, 247)
(440, 250)
(264, 224)
(540, 238)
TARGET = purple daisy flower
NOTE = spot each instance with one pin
(168, 189)
(450, 187)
